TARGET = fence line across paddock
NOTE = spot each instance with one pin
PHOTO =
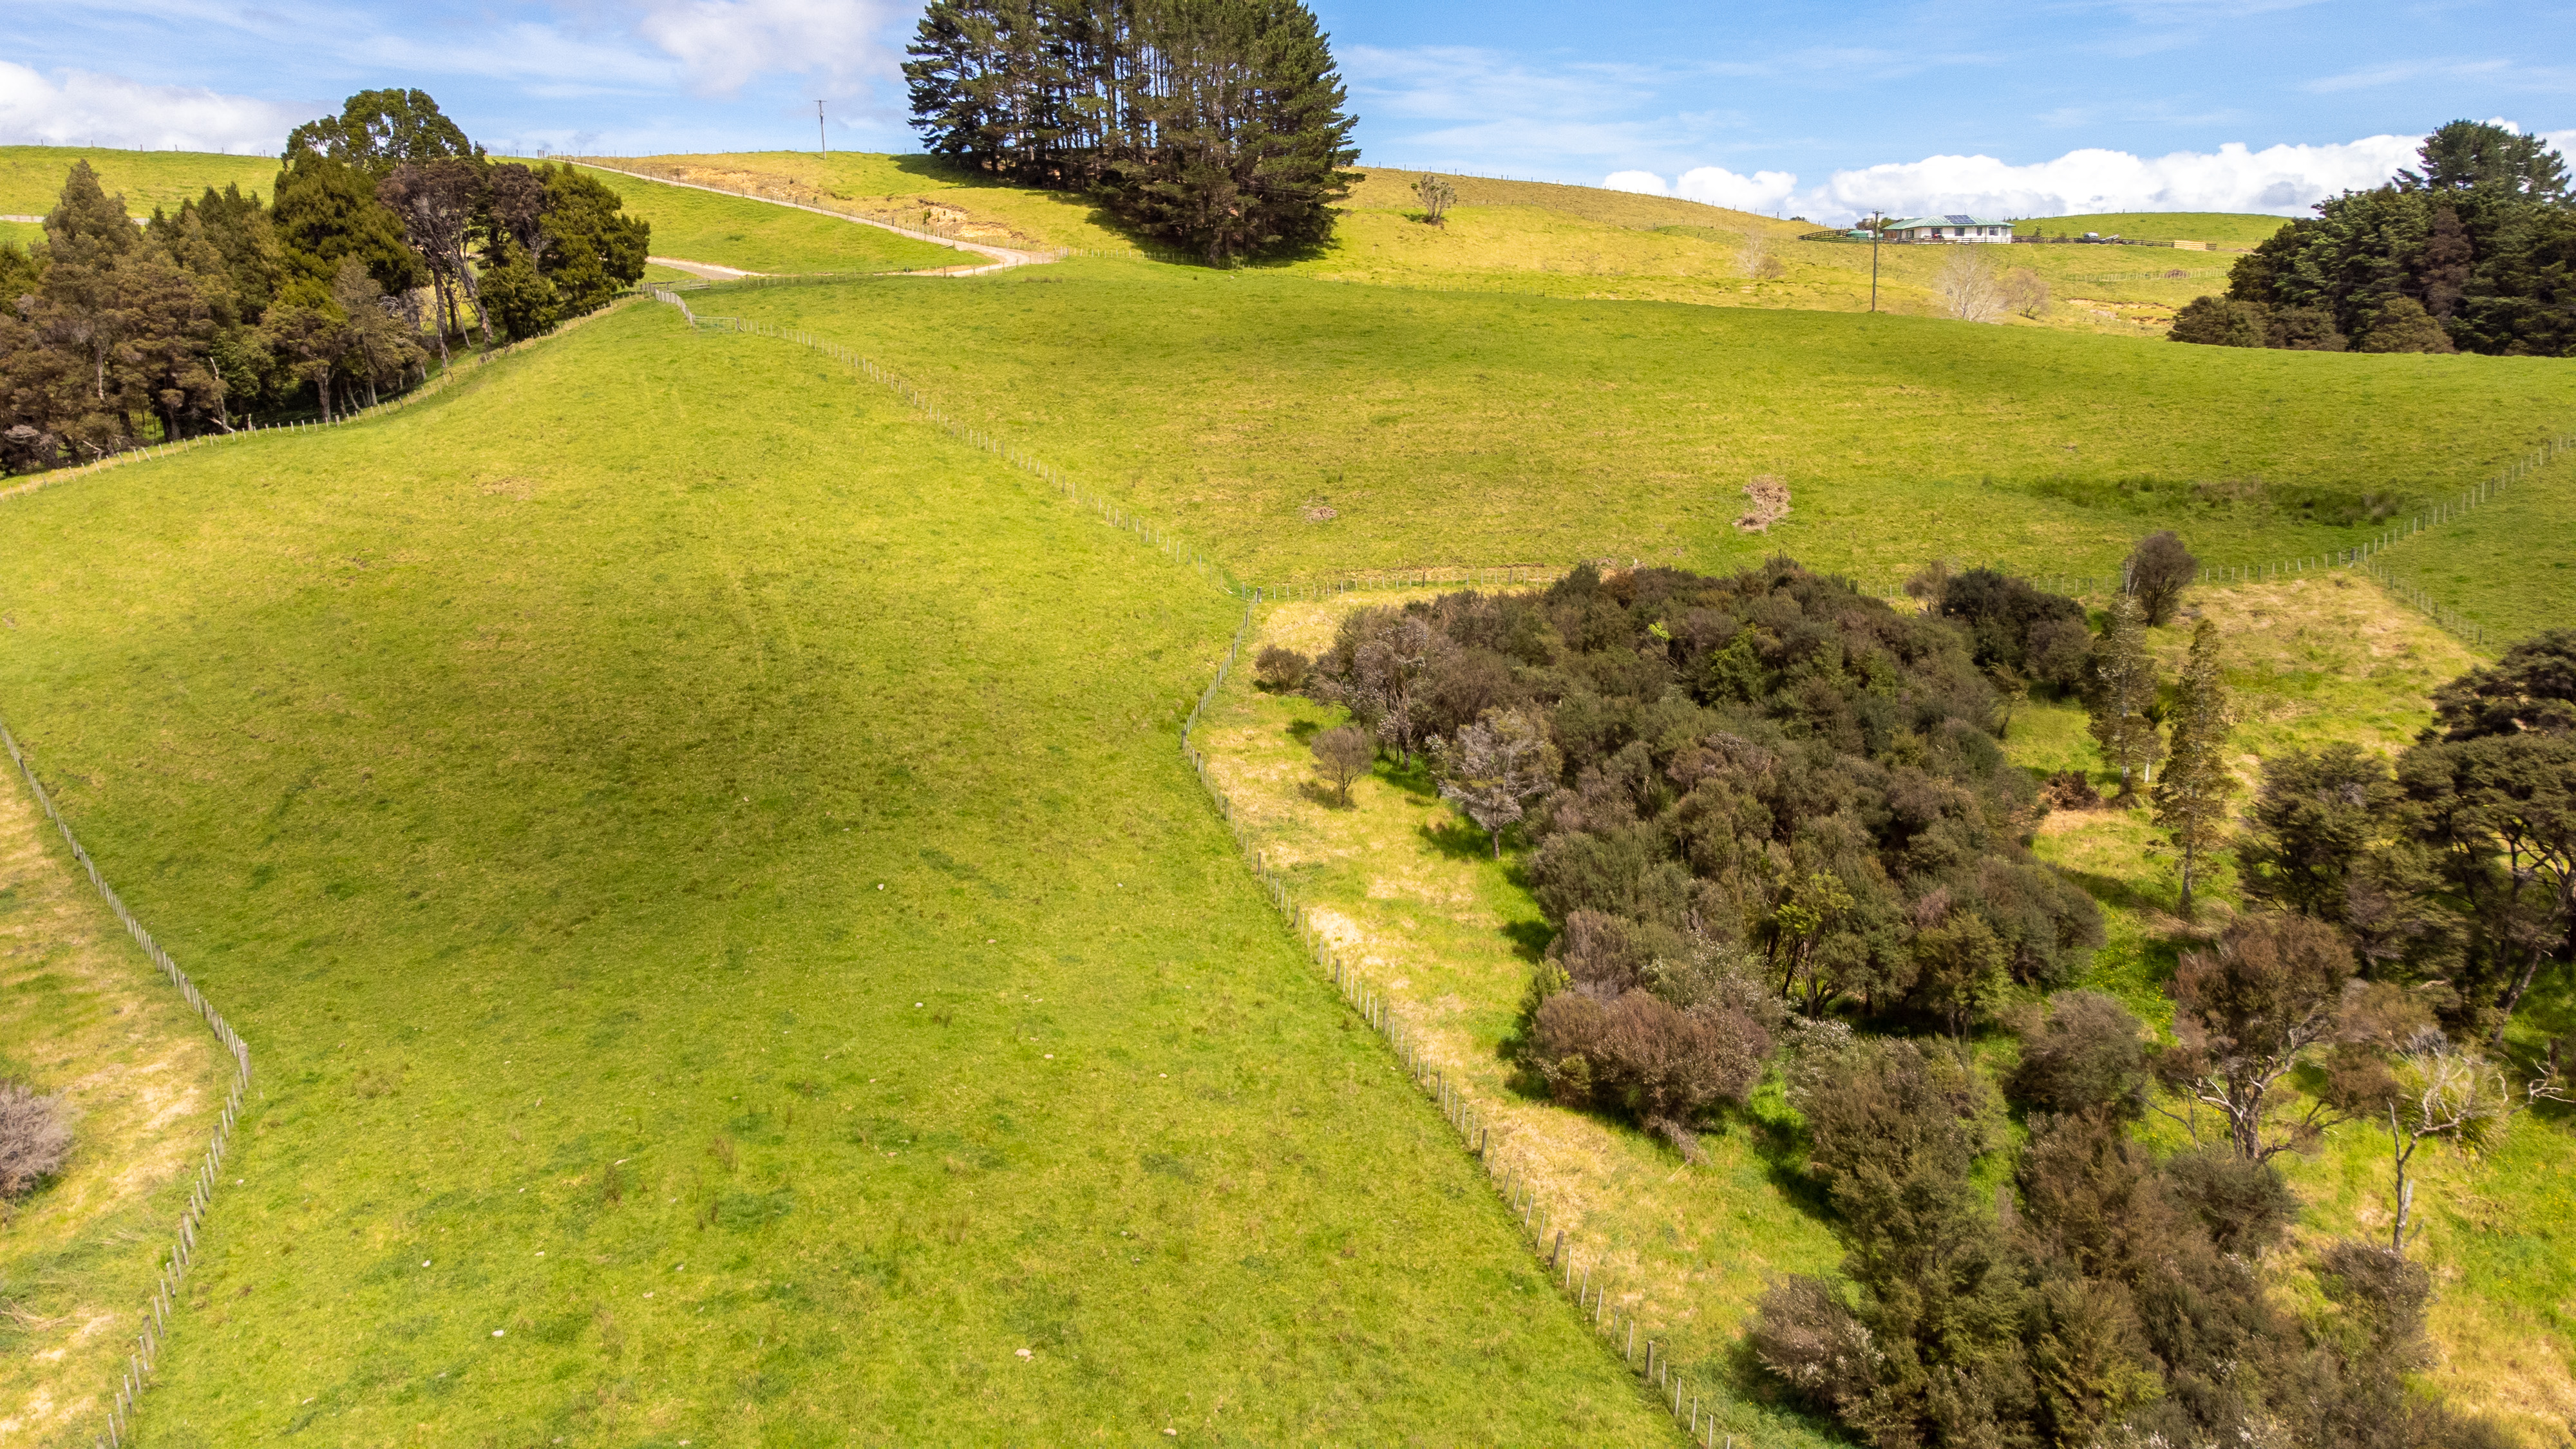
(182, 1251)
(1512, 1180)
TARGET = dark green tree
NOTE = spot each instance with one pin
(1217, 124)
(522, 302)
(325, 211)
(2468, 155)
(379, 130)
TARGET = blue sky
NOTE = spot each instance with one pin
(1821, 109)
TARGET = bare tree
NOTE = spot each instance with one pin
(1968, 287)
(1756, 260)
(1343, 755)
(2026, 292)
(1496, 767)
(1437, 196)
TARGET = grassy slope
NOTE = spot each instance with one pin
(2234, 229)
(521, 771)
(2510, 563)
(912, 190)
(1579, 241)
(83, 1013)
(754, 236)
(31, 177)
(1509, 236)
(1491, 430)
(1408, 890)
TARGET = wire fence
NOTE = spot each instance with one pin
(1601, 1304)
(182, 1252)
(1511, 1179)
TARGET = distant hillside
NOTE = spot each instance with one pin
(2219, 228)
(31, 177)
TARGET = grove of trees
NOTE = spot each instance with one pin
(1215, 124)
(1772, 823)
(388, 238)
(2476, 252)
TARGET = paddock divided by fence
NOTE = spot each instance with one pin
(182, 1252)
(1512, 1180)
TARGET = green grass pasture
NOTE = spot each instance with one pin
(1583, 242)
(31, 177)
(908, 190)
(2240, 230)
(754, 236)
(1464, 429)
(84, 1014)
(731, 950)
(2509, 563)
(1449, 937)
(1505, 236)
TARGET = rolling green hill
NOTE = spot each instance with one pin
(2231, 229)
(731, 950)
(734, 956)
(1538, 238)
(31, 177)
(754, 236)
(1480, 429)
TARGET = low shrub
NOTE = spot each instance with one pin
(2084, 1053)
(35, 1138)
(1281, 670)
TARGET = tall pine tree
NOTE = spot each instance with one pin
(1217, 124)
(2123, 686)
(2191, 799)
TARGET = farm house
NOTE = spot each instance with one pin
(1949, 229)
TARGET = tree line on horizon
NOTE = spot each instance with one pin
(388, 238)
(1218, 125)
(1771, 824)
(2475, 252)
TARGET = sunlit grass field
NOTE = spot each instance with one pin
(731, 950)
(2234, 229)
(2508, 564)
(913, 190)
(1300, 428)
(754, 236)
(84, 1014)
(31, 177)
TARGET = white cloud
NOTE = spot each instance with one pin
(1715, 185)
(726, 43)
(85, 108)
(2282, 180)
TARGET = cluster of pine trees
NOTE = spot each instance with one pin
(1216, 124)
(388, 236)
(2474, 253)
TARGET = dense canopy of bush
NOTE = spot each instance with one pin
(1771, 786)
